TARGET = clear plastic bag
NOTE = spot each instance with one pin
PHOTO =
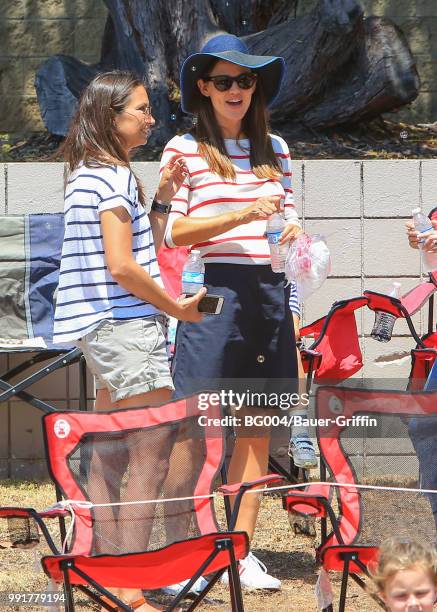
(308, 263)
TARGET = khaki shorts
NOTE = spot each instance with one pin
(128, 357)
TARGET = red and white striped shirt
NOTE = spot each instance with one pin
(205, 194)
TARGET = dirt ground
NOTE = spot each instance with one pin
(379, 139)
(288, 557)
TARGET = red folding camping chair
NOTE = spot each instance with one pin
(383, 460)
(30, 253)
(335, 353)
(127, 532)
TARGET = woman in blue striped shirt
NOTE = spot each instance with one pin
(110, 296)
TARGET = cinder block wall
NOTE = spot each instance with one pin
(361, 208)
(32, 30)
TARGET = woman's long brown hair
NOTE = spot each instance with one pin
(255, 126)
(92, 137)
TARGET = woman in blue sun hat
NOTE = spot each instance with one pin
(238, 175)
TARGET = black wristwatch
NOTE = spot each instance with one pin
(164, 209)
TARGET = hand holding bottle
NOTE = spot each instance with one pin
(261, 209)
(425, 239)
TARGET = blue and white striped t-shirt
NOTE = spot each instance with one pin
(87, 293)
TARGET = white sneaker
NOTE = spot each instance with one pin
(175, 589)
(253, 575)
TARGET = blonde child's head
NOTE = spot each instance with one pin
(405, 576)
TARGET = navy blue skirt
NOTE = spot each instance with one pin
(250, 345)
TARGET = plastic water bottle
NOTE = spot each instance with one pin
(193, 273)
(422, 223)
(278, 252)
(384, 321)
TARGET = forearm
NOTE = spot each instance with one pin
(158, 221)
(191, 230)
(132, 277)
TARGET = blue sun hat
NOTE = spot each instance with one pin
(270, 69)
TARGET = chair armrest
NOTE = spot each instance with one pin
(233, 489)
(10, 512)
(307, 504)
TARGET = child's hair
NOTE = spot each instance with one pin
(92, 137)
(397, 554)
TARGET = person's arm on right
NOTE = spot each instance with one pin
(429, 238)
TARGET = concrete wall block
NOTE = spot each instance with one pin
(344, 241)
(400, 468)
(421, 108)
(26, 432)
(389, 443)
(60, 9)
(13, 37)
(58, 39)
(429, 182)
(25, 469)
(425, 8)
(52, 386)
(384, 285)
(389, 8)
(333, 189)
(427, 72)
(30, 66)
(20, 37)
(73, 384)
(13, 10)
(148, 173)
(86, 33)
(395, 353)
(11, 76)
(20, 114)
(390, 189)
(4, 469)
(306, 7)
(3, 430)
(333, 290)
(386, 250)
(417, 33)
(35, 187)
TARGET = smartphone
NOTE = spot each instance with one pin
(210, 304)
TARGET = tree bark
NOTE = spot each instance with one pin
(380, 76)
(341, 68)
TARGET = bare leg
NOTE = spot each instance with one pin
(144, 482)
(148, 467)
(249, 461)
(178, 514)
(104, 483)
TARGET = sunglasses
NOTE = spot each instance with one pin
(224, 82)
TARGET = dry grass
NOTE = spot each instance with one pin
(288, 557)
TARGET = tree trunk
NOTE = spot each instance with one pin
(340, 67)
(380, 76)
